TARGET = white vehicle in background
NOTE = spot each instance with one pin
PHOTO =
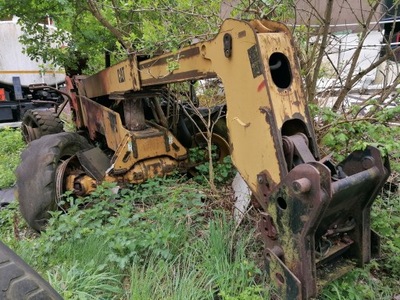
(25, 93)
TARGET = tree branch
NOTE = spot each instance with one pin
(345, 121)
(95, 10)
(327, 22)
(350, 80)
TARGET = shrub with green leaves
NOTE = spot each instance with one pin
(343, 133)
(224, 170)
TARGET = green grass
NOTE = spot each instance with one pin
(179, 278)
(85, 282)
(11, 145)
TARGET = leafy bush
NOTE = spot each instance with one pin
(344, 133)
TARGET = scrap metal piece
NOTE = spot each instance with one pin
(242, 195)
(94, 162)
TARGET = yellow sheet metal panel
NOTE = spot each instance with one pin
(285, 88)
(100, 119)
(122, 77)
(145, 144)
(255, 146)
(187, 64)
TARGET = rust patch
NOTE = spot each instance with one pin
(242, 34)
(113, 122)
(298, 101)
(265, 110)
(133, 73)
(276, 134)
(264, 187)
(261, 86)
(77, 113)
(94, 117)
(269, 227)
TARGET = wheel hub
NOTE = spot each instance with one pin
(71, 177)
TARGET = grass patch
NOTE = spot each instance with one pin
(175, 279)
(85, 282)
(11, 146)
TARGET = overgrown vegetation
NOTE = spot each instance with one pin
(342, 133)
(164, 239)
(169, 239)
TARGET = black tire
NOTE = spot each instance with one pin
(39, 122)
(20, 281)
(36, 175)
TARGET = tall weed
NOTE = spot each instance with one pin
(226, 253)
(177, 279)
(77, 282)
(386, 221)
(215, 265)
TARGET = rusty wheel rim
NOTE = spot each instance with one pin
(60, 176)
(30, 133)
